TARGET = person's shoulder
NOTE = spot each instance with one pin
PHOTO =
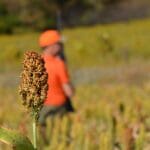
(45, 58)
(59, 61)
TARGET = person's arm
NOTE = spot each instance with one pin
(65, 81)
(68, 89)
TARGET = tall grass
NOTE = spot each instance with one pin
(107, 116)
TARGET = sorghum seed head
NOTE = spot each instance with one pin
(33, 87)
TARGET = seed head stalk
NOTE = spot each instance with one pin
(34, 132)
(33, 87)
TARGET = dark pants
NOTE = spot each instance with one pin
(48, 111)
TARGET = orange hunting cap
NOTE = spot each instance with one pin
(49, 37)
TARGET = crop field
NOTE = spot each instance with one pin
(110, 68)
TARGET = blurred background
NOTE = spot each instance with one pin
(108, 55)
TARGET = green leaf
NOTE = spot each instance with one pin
(15, 139)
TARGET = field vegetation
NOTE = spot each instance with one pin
(109, 65)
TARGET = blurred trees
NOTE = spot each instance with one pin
(41, 14)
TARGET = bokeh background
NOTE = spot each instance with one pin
(108, 55)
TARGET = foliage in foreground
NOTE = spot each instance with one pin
(16, 140)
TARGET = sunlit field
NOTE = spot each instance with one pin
(95, 46)
(109, 65)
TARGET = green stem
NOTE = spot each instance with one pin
(34, 132)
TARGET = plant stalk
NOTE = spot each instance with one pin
(34, 132)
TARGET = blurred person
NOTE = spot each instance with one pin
(60, 90)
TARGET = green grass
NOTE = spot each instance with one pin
(108, 43)
(87, 46)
